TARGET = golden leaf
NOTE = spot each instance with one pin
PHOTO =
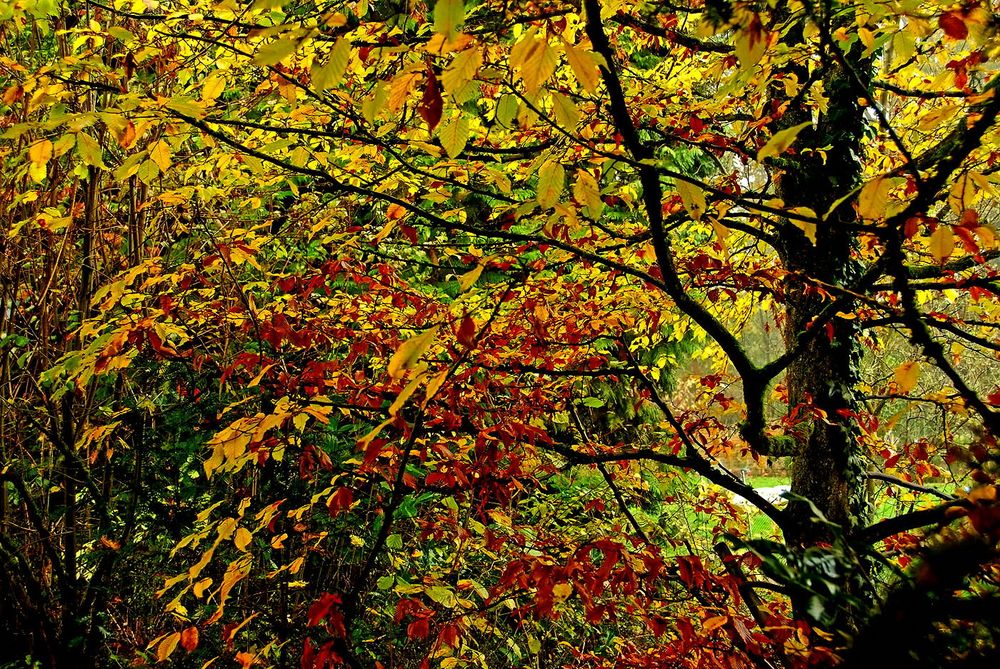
(781, 140)
(942, 243)
(40, 152)
(906, 376)
(409, 352)
(167, 646)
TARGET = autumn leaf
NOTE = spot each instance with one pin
(189, 638)
(212, 88)
(584, 66)
(431, 105)
(276, 51)
(873, 201)
(331, 72)
(906, 376)
(167, 646)
(551, 178)
(467, 280)
(561, 592)
(40, 152)
(692, 197)
(461, 70)
(242, 539)
(535, 60)
(454, 135)
(588, 193)
(159, 153)
(780, 141)
(399, 89)
(89, 150)
(410, 351)
(405, 394)
(449, 15)
(942, 243)
(953, 25)
(566, 112)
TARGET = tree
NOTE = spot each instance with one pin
(474, 306)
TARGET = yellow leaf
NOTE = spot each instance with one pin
(469, 278)
(213, 87)
(329, 75)
(405, 394)
(751, 43)
(167, 646)
(584, 67)
(874, 198)
(461, 70)
(409, 352)
(201, 586)
(449, 15)
(242, 539)
(159, 153)
(276, 51)
(235, 572)
(372, 105)
(435, 385)
(780, 141)
(89, 150)
(561, 592)
(692, 197)
(588, 193)
(807, 227)
(63, 144)
(550, 183)
(454, 135)
(942, 243)
(534, 60)
(567, 115)
(365, 440)
(906, 376)
(443, 595)
(40, 152)
(400, 88)
(714, 623)
(226, 528)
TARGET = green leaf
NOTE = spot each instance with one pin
(442, 595)
(507, 110)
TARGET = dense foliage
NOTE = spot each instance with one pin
(437, 334)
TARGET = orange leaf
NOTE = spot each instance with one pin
(189, 638)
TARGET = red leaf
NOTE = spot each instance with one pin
(431, 105)
(953, 25)
(467, 332)
(339, 501)
(418, 629)
(189, 639)
(321, 608)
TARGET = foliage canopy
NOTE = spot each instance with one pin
(380, 333)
